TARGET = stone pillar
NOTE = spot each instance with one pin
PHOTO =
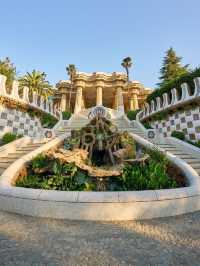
(133, 102)
(116, 101)
(78, 103)
(99, 96)
(63, 103)
(120, 100)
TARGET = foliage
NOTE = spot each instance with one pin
(175, 83)
(152, 175)
(9, 137)
(9, 70)
(40, 161)
(71, 71)
(67, 176)
(147, 125)
(132, 114)
(178, 134)
(127, 63)
(66, 115)
(36, 82)
(171, 68)
(48, 120)
(57, 176)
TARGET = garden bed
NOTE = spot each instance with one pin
(47, 172)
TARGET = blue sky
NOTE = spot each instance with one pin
(95, 35)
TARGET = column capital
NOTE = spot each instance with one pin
(99, 83)
(79, 83)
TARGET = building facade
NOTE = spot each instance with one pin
(96, 89)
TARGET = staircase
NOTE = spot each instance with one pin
(77, 122)
(188, 156)
(6, 161)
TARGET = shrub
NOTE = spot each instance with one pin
(152, 175)
(48, 120)
(178, 134)
(175, 83)
(132, 114)
(147, 125)
(9, 137)
(66, 115)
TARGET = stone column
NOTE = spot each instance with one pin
(63, 103)
(99, 96)
(120, 100)
(78, 103)
(133, 103)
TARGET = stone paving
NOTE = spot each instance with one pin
(33, 241)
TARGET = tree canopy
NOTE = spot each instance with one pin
(171, 67)
(9, 70)
(36, 82)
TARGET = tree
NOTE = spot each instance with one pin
(127, 63)
(7, 69)
(36, 82)
(71, 71)
(171, 68)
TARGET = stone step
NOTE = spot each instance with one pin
(2, 170)
(193, 161)
(195, 166)
(4, 164)
(186, 156)
(15, 155)
(6, 160)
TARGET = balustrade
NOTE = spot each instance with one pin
(44, 105)
(164, 102)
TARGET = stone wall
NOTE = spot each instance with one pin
(187, 121)
(15, 121)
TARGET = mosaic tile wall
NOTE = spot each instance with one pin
(187, 121)
(18, 122)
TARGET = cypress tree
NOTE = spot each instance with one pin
(171, 67)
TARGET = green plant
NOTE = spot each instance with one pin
(8, 69)
(66, 115)
(48, 120)
(36, 82)
(171, 67)
(178, 134)
(152, 175)
(9, 137)
(132, 114)
(40, 161)
(175, 83)
(147, 125)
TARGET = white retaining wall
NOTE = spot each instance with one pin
(104, 206)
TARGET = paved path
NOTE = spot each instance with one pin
(33, 241)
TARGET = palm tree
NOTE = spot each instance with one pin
(36, 82)
(71, 71)
(127, 63)
(7, 69)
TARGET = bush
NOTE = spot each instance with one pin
(48, 120)
(152, 175)
(9, 137)
(132, 114)
(175, 83)
(147, 125)
(178, 134)
(66, 115)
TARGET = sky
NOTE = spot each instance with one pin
(95, 35)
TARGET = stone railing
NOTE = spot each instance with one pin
(37, 102)
(170, 100)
